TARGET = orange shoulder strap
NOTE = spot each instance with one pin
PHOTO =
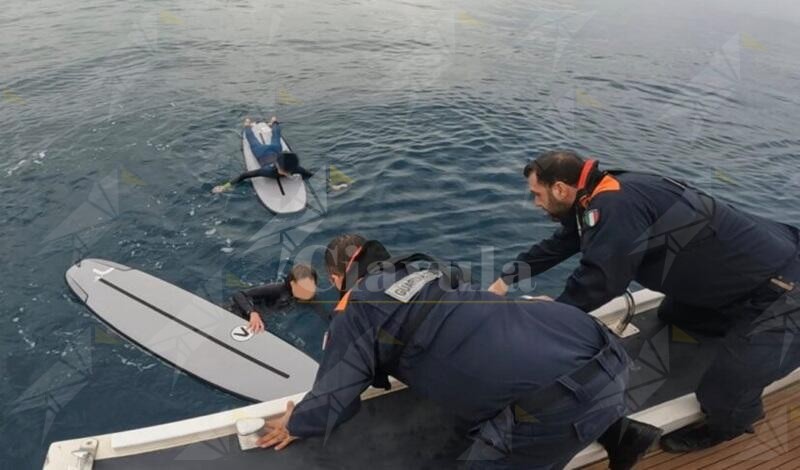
(608, 183)
(342, 305)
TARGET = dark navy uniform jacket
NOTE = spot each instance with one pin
(475, 352)
(666, 236)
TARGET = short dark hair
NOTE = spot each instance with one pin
(302, 271)
(556, 165)
(340, 250)
(288, 162)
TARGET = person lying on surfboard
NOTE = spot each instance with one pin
(301, 284)
(274, 161)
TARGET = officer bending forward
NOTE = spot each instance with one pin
(491, 360)
(724, 272)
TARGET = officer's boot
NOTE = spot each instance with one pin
(691, 438)
(626, 441)
(700, 436)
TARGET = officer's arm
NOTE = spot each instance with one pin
(347, 369)
(610, 254)
(542, 256)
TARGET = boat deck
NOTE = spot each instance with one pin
(775, 445)
(402, 430)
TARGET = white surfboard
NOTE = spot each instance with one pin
(283, 195)
(190, 332)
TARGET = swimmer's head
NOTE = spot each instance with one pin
(288, 163)
(303, 282)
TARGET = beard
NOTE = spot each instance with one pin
(559, 211)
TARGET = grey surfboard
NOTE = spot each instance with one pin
(190, 332)
(283, 195)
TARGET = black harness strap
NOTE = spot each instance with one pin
(280, 185)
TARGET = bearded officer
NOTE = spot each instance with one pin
(488, 359)
(723, 271)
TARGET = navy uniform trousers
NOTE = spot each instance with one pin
(549, 428)
(760, 345)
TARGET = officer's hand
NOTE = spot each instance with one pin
(277, 433)
(499, 287)
(256, 325)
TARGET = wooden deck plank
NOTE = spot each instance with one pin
(776, 437)
(788, 460)
(776, 443)
(667, 460)
(770, 438)
(664, 460)
(654, 460)
(769, 461)
(791, 464)
(793, 456)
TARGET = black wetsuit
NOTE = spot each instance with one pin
(273, 296)
(270, 297)
(269, 171)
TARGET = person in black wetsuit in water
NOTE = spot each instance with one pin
(274, 161)
(250, 304)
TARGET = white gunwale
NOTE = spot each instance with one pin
(669, 416)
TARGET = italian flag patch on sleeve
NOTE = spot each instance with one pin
(591, 218)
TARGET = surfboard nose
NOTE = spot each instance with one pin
(72, 277)
(87, 270)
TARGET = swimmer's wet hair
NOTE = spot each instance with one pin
(340, 250)
(302, 271)
(288, 162)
